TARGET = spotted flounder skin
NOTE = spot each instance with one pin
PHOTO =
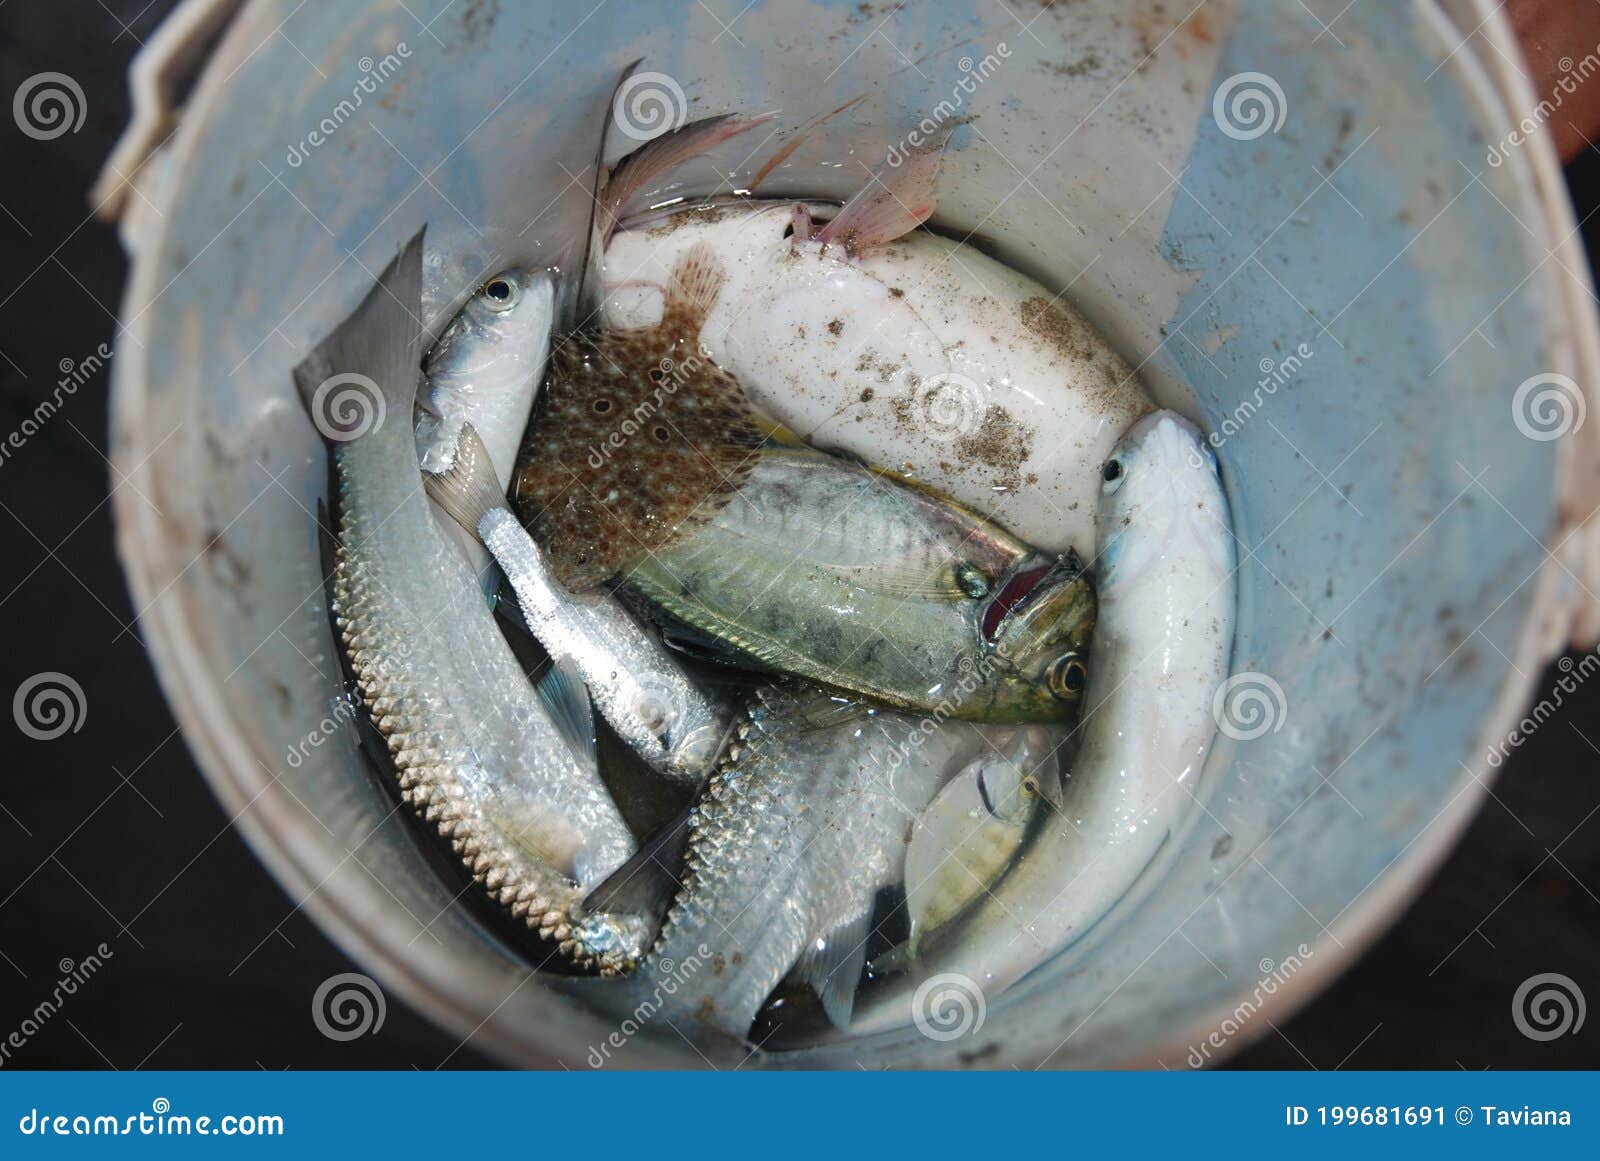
(639, 437)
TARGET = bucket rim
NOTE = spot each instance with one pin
(444, 997)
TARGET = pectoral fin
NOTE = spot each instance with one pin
(832, 966)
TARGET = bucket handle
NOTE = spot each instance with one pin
(156, 77)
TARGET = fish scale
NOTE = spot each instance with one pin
(803, 821)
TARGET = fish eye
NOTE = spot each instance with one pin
(1111, 476)
(972, 581)
(1067, 676)
(500, 293)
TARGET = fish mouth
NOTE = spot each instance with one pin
(1022, 588)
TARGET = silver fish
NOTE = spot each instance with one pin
(631, 676)
(803, 823)
(485, 370)
(477, 754)
(971, 833)
(821, 568)
(1166, 572)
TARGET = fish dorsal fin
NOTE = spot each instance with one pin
(584, 301)
(639, 440)
(832, 966)
(662, 155)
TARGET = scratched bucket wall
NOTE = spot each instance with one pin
(1387, 508)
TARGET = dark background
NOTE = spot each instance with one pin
(111, 835)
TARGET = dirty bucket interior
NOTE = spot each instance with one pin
(1345, 243)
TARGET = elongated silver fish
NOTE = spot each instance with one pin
(633, 679)
(485, 370)
(1165, 567)
(477, 754)
(804, 821)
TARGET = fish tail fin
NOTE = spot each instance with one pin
(901, 195)
(661, 155)
(797, 139)
(643, 886)
(365, 373)
(469, 488)
(697, 279)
